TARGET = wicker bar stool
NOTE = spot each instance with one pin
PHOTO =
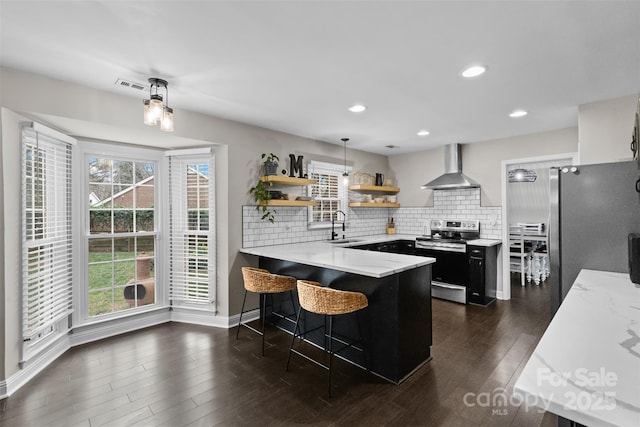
(263, 282)
(329, 302)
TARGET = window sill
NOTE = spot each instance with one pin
(105, 328)
(125, 314)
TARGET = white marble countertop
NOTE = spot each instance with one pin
(484, 242)
(339, 257)
(586, 366)
(390, 237)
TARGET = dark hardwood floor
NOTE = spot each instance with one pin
(185, 375)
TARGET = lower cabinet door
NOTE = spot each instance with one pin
(476, 280)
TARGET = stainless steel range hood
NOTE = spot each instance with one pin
(453, 177)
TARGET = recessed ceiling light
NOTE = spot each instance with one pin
(474, 71)
(423, 133)
(518, 113)
(357, 108)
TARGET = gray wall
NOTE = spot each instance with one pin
(85, 112)
(605, 130)
(481, 162)
(12, 337)
(2, 264)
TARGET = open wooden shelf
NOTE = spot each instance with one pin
(383, 188)
(373, 205)
(290, 203)
(287, 180)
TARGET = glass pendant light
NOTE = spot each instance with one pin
(167, 120)
(156, 106)
(148, 117)
(155, 110)
(345, 175)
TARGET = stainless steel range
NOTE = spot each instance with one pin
(447, 243)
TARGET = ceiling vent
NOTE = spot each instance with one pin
(131, 85)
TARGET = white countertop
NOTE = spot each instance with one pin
(338, 257)
(586, 366)
(484, 242)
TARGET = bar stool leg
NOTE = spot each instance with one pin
(241, 311)
(330, 350)
(293, 304)
(264, 317)
(364, 353)
(295, 331)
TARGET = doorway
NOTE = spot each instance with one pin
(525, 200)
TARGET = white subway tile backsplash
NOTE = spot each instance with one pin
(291, 222)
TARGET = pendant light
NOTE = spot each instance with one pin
(155, 110)
(345, 175)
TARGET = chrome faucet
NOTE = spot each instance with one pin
(334, 217)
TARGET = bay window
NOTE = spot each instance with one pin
(47, 251)
(191, 231)
(121, 239)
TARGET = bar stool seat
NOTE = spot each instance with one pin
(263, 282)
(322, 300)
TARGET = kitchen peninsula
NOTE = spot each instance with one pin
(397, 323)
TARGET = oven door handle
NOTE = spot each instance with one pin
(442, 285)
(443, 249)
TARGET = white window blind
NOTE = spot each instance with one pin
(46, 231)
(191, 230)
(329, 192)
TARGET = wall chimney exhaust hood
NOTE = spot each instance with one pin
(453, 177)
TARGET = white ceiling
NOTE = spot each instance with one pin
(297, 66)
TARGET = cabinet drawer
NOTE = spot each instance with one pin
(449, 292)
(476, 252)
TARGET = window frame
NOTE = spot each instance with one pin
(314, 166)
(48, 333)
(198, 156)
(112, 150)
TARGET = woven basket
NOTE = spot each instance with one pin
(324, 300)
(261, 281)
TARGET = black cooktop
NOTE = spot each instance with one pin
(437, 239)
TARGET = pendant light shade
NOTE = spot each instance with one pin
(155, 110)
(155, 107)
(148, 117)
(345, 175)
(167, 120)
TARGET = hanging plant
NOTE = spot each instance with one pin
(261, 195)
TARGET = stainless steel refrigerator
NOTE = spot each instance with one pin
(593, 210)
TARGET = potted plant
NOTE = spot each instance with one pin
(261, 195)
(270, 163)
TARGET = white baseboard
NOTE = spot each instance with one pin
(209, 319)
(198, 317)
(500, 295)
(247, 317)
(89, 333)
(34, 366)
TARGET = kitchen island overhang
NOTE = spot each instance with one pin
(396, 325)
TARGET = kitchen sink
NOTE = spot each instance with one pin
(342, 241)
